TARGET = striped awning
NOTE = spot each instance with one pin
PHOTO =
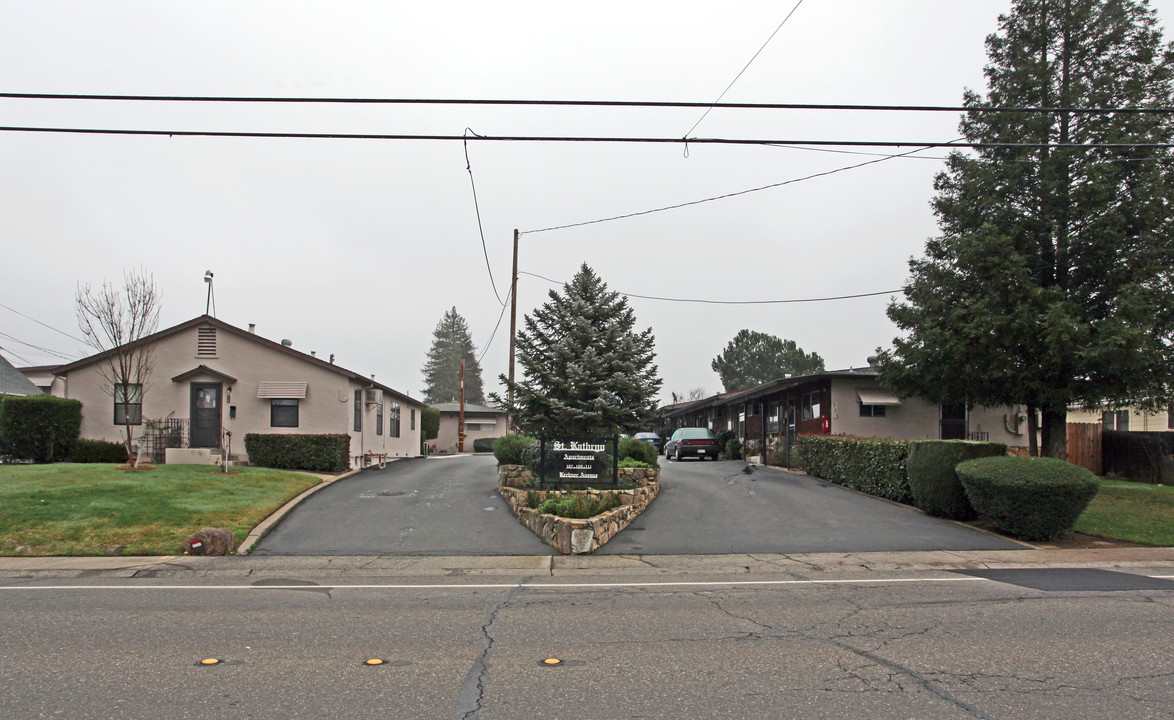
(282, 389)
(877, 397)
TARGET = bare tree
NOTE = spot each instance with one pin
(114, 322)
(697, 393)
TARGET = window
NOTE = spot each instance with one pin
(480, 426)
(393, 420)
(413, 418)
(872, 410)
(811, 405)
(358, 409)
(128, 404)
(1115, 420)
(379, 419)
(283, 412)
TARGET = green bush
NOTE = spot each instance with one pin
(39, 427)
(733, 449)
(1029, 497)
(484, 444)
(870, 465)
(316, 453)
(508, 448)
(932, 479)
(629, 462)
(97, 451)
(638, 450)
(579, 506)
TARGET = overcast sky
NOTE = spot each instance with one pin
(357, 247)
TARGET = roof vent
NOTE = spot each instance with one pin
(287, 343)
(313, 353)
(872, 360)
(253, 328)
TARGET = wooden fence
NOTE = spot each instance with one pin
(1084, 446)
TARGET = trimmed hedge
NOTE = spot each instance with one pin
(508, 448)
(640, 451)
(932, 479)
(316, 453)
(870, 465)
(484, 444)
(1029, 497)
(97, 451)
(39, 427)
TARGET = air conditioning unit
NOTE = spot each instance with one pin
(374, 396)
(1015, 423)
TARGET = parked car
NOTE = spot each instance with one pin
(650, 437)
(692, 442)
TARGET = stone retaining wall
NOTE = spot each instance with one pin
(572, 536)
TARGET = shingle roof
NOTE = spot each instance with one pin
(13, 381)
(452, 407)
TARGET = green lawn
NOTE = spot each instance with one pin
(72, 509)
(1131, 511)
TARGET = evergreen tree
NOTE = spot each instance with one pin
(586, 371)
(451, 343)
(1051, 283)
(753, 358)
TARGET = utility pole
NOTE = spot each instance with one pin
(513, 326)
(461, 415)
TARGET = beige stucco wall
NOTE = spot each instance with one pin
(446, 439)
(327, 408)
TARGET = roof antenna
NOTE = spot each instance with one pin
(208, 307)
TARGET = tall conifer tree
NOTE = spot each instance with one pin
(451, 343)
(1051, 282)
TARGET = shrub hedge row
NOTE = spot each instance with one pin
(870, 465)
(932, 480)
(316, 453)
(97, 451)
(39, 427)
(1029, 497)
(484, 444)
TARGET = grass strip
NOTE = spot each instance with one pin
(1132, 512)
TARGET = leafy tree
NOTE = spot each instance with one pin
(1051, 283)
(451, 343)
(753, 358)
(586, 371)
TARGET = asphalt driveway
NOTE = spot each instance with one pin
(450, 506)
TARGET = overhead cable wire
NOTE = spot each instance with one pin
(23, 359)
(45, 350)
(500, 315)
(744, 69)
(735, 302)
(71, 337)
(724, 196)
(480, 228)
(588, 103)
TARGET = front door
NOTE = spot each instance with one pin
(205, 429)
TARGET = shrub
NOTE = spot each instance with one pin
(508, 448)
(870, 465)
(97, 451)
(579, 506)
(39, 427)
(932, 480)
(1028, 497)
(484, 444)
(630, 462)
(638, 450)
(734, 449)
(316, 453)
(532, 498)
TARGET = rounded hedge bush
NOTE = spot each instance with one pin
(508, 448)
(1028, 497)
(932, 479)
(639, 450)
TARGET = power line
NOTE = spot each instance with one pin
(480, 228)
(734, 302)
(71, 337)
(500, 315)
(580, 139)
(24, 360)
(587, 103)
(46, 350)
(744, 69)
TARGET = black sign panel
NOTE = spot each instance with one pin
(586, 461)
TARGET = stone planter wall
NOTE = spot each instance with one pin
(575, 536)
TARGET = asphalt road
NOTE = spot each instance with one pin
(931, 645)
(450, 506)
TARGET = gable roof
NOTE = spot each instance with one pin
(14, 382)
(252, 337)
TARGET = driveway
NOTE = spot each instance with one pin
(434, 506)
(708, 507)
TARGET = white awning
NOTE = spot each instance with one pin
(278, 389)
(877, 397)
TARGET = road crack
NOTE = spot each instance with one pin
(472, 695)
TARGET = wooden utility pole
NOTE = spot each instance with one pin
(461, 415)
(513, 326)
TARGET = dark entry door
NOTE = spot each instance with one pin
(954, 421)
(205, 429)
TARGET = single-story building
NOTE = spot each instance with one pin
(213, 383)
(1127, 418)
(15, 382)
(844, 402)
(480, 422)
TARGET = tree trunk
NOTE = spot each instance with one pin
(1032, 431)
(1055, 433)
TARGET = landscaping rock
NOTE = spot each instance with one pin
(210, 541)
(582, 541)
(23, 549)
(114, 549)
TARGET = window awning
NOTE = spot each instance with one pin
(281, 389)
(877, 397)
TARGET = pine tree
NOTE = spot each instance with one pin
(753, 358)
(451, 343)
(586, 371)
(1051, 283)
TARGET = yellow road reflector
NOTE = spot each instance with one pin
(552, 661)
(210, 661)
(374, 661)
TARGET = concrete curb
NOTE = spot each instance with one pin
(263, 527)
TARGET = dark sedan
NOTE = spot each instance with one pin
(652, 438)
(692, 442)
